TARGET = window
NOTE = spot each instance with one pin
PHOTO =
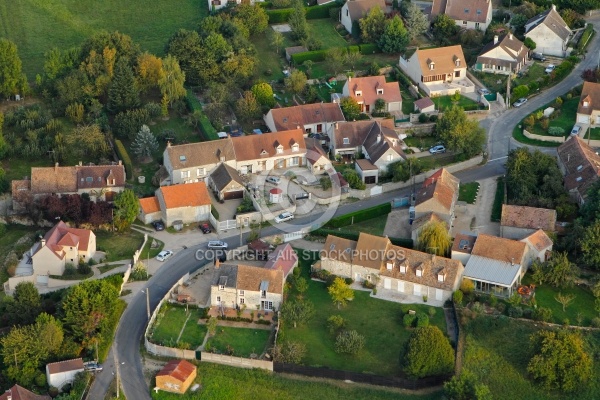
(403, 269)
(263, 293)
(242, 301)
(346, 140)
(295, 147)
(347, 13)
(294, 161)
(464, 22)
(478, 12)
(111, 182)
(221, 287)
(476, 25)
(308, 130)
(182, 158)
(419, 272)
(390, 157)
(441, 277)
(89, 179)
(358, 93)
(457, 74)
(241, 292)
(379, 91)
(466, 10)
(279, 149)
(185, 174)
(267, 305)
(201, 171)
(218, 299)
(432, 66)
(389, 266)
(586, 104)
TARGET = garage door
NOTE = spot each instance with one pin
(387, 283)
(370, 179)
(236, 194)
(439, 294)
(401, 286)
(584, 119)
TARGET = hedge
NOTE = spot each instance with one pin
(316, 56)
(279, 16)
(315, 12)
(124, 156)
(369, 48)
(359, 216)
(585, 37)
(208, 131)
(353, 49)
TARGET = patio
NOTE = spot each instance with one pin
(229, 312)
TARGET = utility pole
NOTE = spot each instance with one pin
(116, 361)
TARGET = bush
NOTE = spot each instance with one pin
(321, 274)
(596, 322)
(369, 48)
(423, 118)
(335, 323)
(320, 12)
(349, 281)
(40, 380)
(124, 156)
(433, 118)
(84, 269)
(353, 49)
(422, 320)
(457, 297)
(128, 123)
(409, 320)
(467, 286)
(208, 131)
(359, 216)
(279, 16)
(542, 314)
(70, 269)
(501, 307)
(349, 342)
(544, 123)
(154, 109)
(428, 353)
(555, 130)
(315, 56)
(515, 312)
(585, 37)
(533, 87)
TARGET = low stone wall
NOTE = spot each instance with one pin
(544, 138)
(236, 361)
(169, 351)
(9, 286)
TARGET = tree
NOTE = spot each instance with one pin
(561, 360)
(444, 29)
(351, 58)
(558, 271)
(466, 387)
(340, 292)
(297, 21)
(589, 245)
(334, 59)
(253, 17)
(27, 305)
(123, 94)
(349, 342)
(573, 19)
(335, 324)
(149, 70)
(520, 91)
(4, 182)
(145, 143)
(126, 209)
(289, 352)
(528, 9)
(518, 22)
(354, 181)
(186, 47)
(564, 299)
(379, 105)
(171, 80)
(297, 312)
(416, 21)
(276, 40)
(12, 79)
(457, 297)
(529, 43)
(395, 37)
(87, 141)
(263, 92)
(296, 82)
(301, 285)
(434, 238)
(460, 133)
(372, 25)
(247, 107)
(350, 108)
(428, 353)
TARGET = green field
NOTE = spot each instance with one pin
(373, 226)
(468, 192)
(243, 341)
(324, 30)
(118, 246)
(222, 382)
(171, 320)
(36, 26)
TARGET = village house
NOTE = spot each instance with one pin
(17, 392)
(467, 14)
(283, 258)
(60, 373)
(518, 222)
(505, 55)
(354, 10)
(588, 110)
(186, 203)
(549, 32)
(226, 183)
(539, 246)
(317, 159)
(580, 166)
(438, 194)
(311, 118)
(368, 90)
(462, 246)
(439, 71)
(420, 223)
(176, 376)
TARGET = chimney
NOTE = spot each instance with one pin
(554, 7)
(120, 162)
(349, 79)
(56, 167)
(378, 137)
(336, 125)
(80, 163)
(510, 36)
(43, 242)
(168, 143)
(495, 39)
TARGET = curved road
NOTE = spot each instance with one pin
(133, 322)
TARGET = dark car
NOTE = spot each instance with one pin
(205, 228)
(538, 56)
(158, 225)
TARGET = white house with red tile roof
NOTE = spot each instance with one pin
(20, 393)
(60, 373)
(283, 258)
(368, 89)
(60, 246)
(467, 14)
(187, 203)
(438, 194)
(311, 118)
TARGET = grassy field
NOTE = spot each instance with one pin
(37, 26)
(194, 333)
(497, 83)
(243, 341)
(497, 351)
(106, 268)
(170, 322)
(595, 132)
(379, 321)
(373, 226)
(423, 142)
(269, 60)
(443, 102)
(468, 192)
(223, 382)
(520, 137)
(324, 30)
(118, 246)
(408, 103)
(148, 252)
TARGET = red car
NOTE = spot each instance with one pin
(205, 228)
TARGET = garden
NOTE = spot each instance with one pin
(468, 192)
(177, 326)
(118, 246)
(559, 123)
(239, 342)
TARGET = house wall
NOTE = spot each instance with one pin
(148, 218)
(383, 161)
(589, 119)
(410, 288)
(346, 270)
(460, 256)
(482, 26)
(187, 214)
(228, 297)
(320, 166)
(547, 42)
(181, 175)
(272, 162)
(411, 68)
(61, 378)
(511, 232)
(391, 106)
(365, 174)
(91, 248)
(45, 262)
(253, 299)
(170, 384)
(92, 192)
(435, 206)
(345, 18)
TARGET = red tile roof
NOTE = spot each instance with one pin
(150, 205)
(65, 366)
(20, 393)
(178, 369)
(185, 195)
(293, 117)
(441, 186)
(369, 85)
(284, 258)
(61, 235)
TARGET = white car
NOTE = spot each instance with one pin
(520, 102)
(163, 255)
(274, 180)
(575, 131)
(92, 367)
(285, 216)
(217, 244)
(550, 68)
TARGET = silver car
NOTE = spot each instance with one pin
(520, 102)
(163, 255)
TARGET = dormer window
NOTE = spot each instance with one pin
(358, 93)
(389, 265)
(431, 66)
(89, 179)
(182, 158)
(379, 91)
(457, 62)
(295, 147)
(441, 276)
(111, 182)
(466, 10)
(403, 269)
(478, 12)
(419, 272)
(586, 104)
(279, 149)
(346, 140)
(221, 287)
(579, 167)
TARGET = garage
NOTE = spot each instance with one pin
(234, 194)
(226, 183)
(370, 179)
(583, 119)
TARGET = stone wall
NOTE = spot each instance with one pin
(544, 138)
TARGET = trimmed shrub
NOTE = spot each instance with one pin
(369, 48)
(422, 320)
(542, 314)
(279, 16)
(320, 12)
(585, 37)
(556, 131)
(409, 320)
(316, 56)
(349, 281)
(353, 49)
(124, 156)
(423, 118)
(596, 322)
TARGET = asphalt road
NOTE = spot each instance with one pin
(133, 322)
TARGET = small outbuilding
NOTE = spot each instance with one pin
(176, 376)
(60, 373)
(424, 105)
(290, 51)
(275, 195)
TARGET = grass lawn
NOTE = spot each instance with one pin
(443, 102)
(468, 192)
(497, 82)
(324, 30)
(565, 120)
(18, 168)
(38, 26)
(244, 341)
(168, 325)
(533, 73)
(148, 252)
(520, 137)
(119, 246)
(269, 60)
(595, 132)
(194, 333)
(325, 91)
(224, 382)
(422, 142)
(408, 103)
(497, 352)
(183, 133)
(74, 277)
(106, 268)
(9, 238)
(373, 226)
(498, 201)
(378, 320)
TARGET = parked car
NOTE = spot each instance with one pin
(284, 216)
(158, 225)
(205, 228)
(163, 255)
(273, 179)
(550, 68)
(575, 131)
(217, 244)
(92, 367)
(520, 102)
(484, 91)
(538, 57)
(437, 149)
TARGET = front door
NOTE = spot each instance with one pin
(266, 305)
(357, 277)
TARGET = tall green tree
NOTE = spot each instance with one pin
(296, 82)
(187, 47)
(253, 16)
(444, 29)
(435, 239)
(350, 108)
(561, 360)
(558, 271)
(277, 40)
(87, 141)
(416, 21)
(263, 92)
(590, 245)
(12, 79)
(297, 21)
(145, 143)
(27, 305)
(123, 94)
(461, 134)
(126, 209)
(247, 107)
(428, 353)
(171, 79)
(334, 60)
(340, 292)
(372, 25)
(297, 312)
(395, 37)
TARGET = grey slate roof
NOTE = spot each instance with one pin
(225, 275)
(488, 270)
(223, 175)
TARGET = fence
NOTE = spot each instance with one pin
(138, 253)
(236, 361)
(221, 226)
(288, 237)
(544, 138)
(323, 372)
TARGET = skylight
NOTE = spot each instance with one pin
(182, 158)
